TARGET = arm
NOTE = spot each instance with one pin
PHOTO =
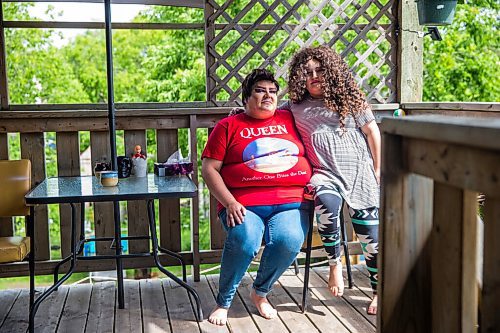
(373, 136)
(210, 171)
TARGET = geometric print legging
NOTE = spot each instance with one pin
(327, 206)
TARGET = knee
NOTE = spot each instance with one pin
(244, 244)
(288, 242)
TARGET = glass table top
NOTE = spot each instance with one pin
(88, 188)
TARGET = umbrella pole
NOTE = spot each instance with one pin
(112, 143)
(109, 72)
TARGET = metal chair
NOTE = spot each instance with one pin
(309, 245)
(15, 182)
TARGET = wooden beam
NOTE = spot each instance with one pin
(177, 3)
(410, 54)
(470, 132)
(172, 26)
(132, 109)
(47, 267)
(71, 121)
(453, 106)
(460, 166)
(101, 25)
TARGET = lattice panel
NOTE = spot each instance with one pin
(242, 35)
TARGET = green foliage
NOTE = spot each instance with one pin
(464, 66)
(32, 78)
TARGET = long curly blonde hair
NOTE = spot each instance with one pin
(340, 91)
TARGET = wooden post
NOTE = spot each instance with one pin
(405, 229)
(33, 149)
(137, 210)
(167, 141)
(490, 298)
(103, 211)
(4, 90)
(195, 202)
(209, 58)
(68, 164)
(453, 260)
(6, 223)
(217, 232)
(410, 54)
(443, 297)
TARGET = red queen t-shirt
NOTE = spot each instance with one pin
(263, 159)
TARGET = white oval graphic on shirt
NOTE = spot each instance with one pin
(270, 155)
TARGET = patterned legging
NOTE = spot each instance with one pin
(328, 204)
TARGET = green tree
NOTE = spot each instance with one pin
(464, 65)
(36, 71)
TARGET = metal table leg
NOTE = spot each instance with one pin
(118, 252)
(39, 300)
(190, 290)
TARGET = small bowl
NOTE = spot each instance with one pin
(109, 178)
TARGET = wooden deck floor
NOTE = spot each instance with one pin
(161, 306)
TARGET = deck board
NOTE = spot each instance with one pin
(8, 299)
(74, 316)
(47, 317)
(154, 310)
(129, 319)
(343, 310)
(102, 308)
(160, 306)
(180, 311)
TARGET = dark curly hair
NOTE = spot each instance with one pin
(341, 93)
(251, 79)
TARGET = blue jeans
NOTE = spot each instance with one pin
(283, 228)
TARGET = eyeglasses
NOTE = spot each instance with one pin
(318, 71)
(264, 91)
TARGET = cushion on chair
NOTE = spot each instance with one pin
(15, 182)
(14, 248)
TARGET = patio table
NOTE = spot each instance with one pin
(81, 189)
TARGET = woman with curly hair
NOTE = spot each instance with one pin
(342, 143)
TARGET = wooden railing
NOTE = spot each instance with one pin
(67, 121)
(433, 168)
(67, 124)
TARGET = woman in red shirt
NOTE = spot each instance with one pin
(254, 165)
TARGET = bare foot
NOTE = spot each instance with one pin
(266, 310)
(372, 308)
(336, 281)
(218, 316)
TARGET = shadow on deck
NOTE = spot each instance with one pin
(159, 305)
